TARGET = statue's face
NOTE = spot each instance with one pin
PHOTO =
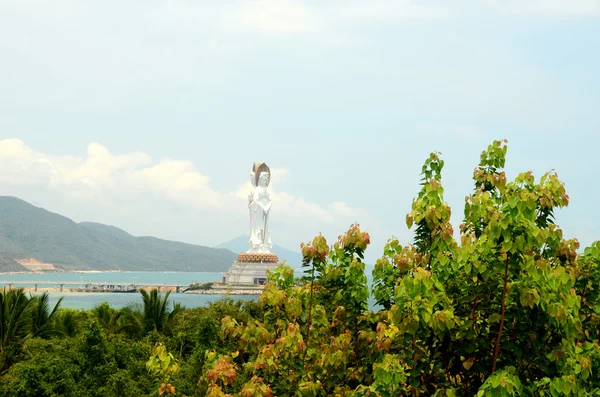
(263, 179)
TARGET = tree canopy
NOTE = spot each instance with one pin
(503, 305)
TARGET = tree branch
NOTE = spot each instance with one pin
(498, 339)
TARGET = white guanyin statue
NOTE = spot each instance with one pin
(259, 204)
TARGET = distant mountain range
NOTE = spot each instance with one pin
(29, 234)
(240, 244)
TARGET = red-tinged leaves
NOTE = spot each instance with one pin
(511, 309)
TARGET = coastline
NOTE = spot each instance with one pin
(63, 272)
(227, 291)
(216, 291)
(88, 282)
(106, 271)
(234, 292)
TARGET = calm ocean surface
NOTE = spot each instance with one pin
(82, 300)
(117, 277)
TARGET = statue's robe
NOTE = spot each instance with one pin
(260, 240)
(256, 220)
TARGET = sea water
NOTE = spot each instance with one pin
(89, 300)
(158, 278)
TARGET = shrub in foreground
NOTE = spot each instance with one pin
(509, 309)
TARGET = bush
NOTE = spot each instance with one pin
(201, 286)
(509, 309)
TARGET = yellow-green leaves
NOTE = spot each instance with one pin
(514, 309)
(504, 383)
(389, 375)
(468, 363)
(529, 297)
(282, 277)
(163, 366)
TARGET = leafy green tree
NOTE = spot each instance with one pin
(23, 317)
(310, 339)
(93, 355)
(197, 330)
(65, 320)
(13, 324)
(509, 309)
(504, 300)
(43, 320)
(163, 366)
(92, 363)
(156, 313)
(116, 321)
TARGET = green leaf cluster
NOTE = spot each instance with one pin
(506, 306)
(107, 351)
(503, 305)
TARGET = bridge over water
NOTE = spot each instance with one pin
(108, 286)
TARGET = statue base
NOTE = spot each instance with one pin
(251, 268)
(248, 257)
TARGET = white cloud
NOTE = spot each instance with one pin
(15, 149)
(180, 182)
(298, 209)
(99, 169)
(341, 208)
(121, 183)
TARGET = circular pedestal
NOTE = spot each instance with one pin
(246, 257)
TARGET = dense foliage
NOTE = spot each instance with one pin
(511, 308)
(105, 351)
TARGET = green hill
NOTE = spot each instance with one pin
(31, 232)
(8, 264)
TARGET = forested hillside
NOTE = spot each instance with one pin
(31, 232)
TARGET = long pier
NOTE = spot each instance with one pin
(96, 286)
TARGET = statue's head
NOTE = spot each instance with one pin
(264, 179)
(262, 173)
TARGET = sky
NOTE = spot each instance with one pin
(148, 115)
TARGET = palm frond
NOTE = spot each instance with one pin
(42, 318)
(14, 306)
